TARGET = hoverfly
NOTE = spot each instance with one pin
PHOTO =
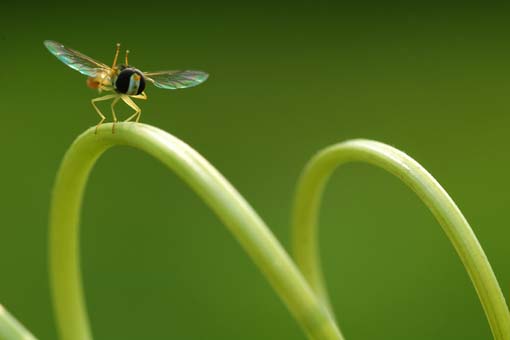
(124, 80)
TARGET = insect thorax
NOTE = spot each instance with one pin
(129, 81)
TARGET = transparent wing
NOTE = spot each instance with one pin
(76, 60)
(171, 80)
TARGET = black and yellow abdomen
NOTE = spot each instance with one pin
(130, 81)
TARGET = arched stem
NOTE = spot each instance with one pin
(237, 215)
(12, 329)
(462, 237)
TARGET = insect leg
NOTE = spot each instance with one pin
(113, 113)
(140, 96)
(93, 101)
(135, 107)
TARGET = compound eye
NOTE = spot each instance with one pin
(123, 80)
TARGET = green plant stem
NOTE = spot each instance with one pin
(11, 329)
(308, 199)
(209, 184)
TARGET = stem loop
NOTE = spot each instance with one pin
(237, 215)
(460, 234)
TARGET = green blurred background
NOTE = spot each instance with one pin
(287, 78)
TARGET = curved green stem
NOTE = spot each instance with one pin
(11, 329)
(306, 209)
(209, 184)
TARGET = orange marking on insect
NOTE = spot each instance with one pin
(93, 83)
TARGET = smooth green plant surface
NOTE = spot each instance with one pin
(209, 184)
(11, 329)
(306, 211)
(303, 291)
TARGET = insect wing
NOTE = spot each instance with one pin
(172, 80)
(76, 60)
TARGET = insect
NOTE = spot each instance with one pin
(124, 80)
